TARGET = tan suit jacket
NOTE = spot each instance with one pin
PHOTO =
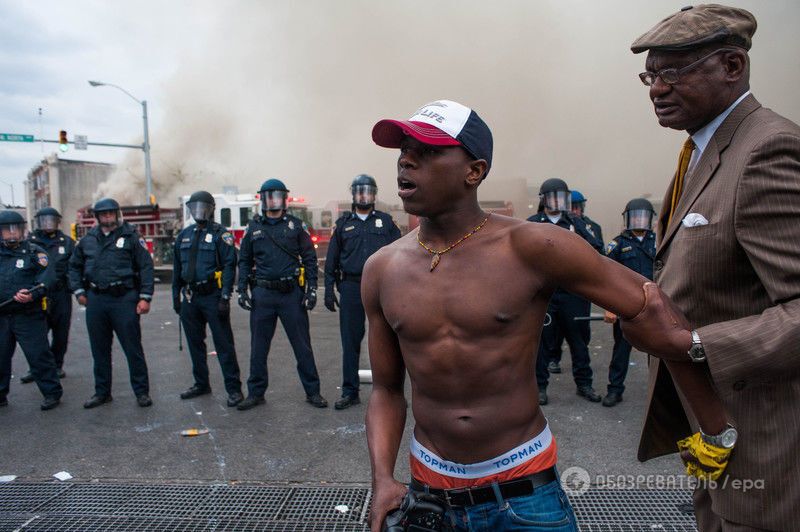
(737, 279)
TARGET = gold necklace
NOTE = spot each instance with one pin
(437, 255)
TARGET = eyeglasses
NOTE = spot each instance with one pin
(671, 76)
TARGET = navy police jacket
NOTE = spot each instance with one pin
(638, 256)
(24, 266)
(593, 227)
(59, 249)
(275, 250)
(353, 241)
(573, 223)
(103, 260)
(215, 253)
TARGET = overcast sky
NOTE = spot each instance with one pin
(242, 91)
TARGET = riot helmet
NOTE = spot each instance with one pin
(12, 228)
(578, 203)
(201, 206)
(273, 195)
(106, 205)
(638, 215)
(364, 189)
(554, 194)
(48, 219)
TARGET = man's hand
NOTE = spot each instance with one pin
(23, 296)
(386, 497)
(143, 307)
(82, 300)
(176, 304)
(224, 307)
(244, 301)
(609, 317)
(310, 299)
(330, 300)
(660, 329)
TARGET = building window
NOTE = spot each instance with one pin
(225, 217)
(244, 216)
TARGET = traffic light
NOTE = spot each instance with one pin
(63, 143)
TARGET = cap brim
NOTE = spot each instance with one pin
(390, 133)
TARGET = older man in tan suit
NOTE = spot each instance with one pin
(729, 256)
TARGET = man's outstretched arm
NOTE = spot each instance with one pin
(386, 412)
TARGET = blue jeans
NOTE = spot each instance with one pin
(547, 508)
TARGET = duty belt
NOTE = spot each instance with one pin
(277, 284)
(114, 289)
(355, 277)
(471, 496)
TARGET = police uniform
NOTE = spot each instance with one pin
(271, 255)
(353, 241)
(24, 267)
(593, 227)
(204, 271)
(114, 271)
(59, 249)
(637, 255)
(563, 308)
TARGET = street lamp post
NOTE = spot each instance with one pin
(11, 186)
(146, 145)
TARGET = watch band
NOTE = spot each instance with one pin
(697, 352)
(725, 439)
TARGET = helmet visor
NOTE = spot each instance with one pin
(47, 222)
(109, 219)
(641, 219)
(578, 207)
(557, 200)
(364, 195)
(12, 233)
(201, 211)
(273, 200)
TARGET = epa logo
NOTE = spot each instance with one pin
(575, 480)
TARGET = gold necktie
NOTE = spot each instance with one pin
(680, 173)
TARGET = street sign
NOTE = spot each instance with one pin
(13, 137)
(80, 142)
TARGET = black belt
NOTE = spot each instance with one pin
(355, 277)
(277, 284)
(471, 496)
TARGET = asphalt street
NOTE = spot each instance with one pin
(285, 440)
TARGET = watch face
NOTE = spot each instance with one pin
(729, 438)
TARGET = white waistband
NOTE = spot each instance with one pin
(516, 456)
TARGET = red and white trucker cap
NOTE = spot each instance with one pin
(439, 123)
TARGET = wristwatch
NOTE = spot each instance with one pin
(697, 353)
(725, 439)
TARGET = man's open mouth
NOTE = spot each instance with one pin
(405, 187)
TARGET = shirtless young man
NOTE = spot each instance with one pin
(463, 314)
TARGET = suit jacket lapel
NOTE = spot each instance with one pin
(704, 170)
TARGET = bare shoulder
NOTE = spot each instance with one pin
(390, 255)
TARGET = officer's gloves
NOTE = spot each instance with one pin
(310, 301)
(224, 307)
(330, 300)
(176, 304)
(244, 300)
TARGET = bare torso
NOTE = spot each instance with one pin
(468, 333)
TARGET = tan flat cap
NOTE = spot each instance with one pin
(695, 26)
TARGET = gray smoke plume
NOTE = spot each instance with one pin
(291, 90)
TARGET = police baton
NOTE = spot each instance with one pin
(180, 334)
(590, 317)
(12, 300)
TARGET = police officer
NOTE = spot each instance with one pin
(578, 206)
(579, 209)
(356, 235)
(636, 249)
(204, 271)
(278, 263)
(555, 199)
(111, 274)
(59, 300)
(25, 277)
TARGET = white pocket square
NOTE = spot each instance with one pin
(694, 219)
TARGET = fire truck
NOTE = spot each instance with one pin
(157, 225)
(234, 211)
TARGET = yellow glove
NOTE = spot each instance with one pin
(714, 458)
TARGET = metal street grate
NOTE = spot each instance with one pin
(117, 506)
